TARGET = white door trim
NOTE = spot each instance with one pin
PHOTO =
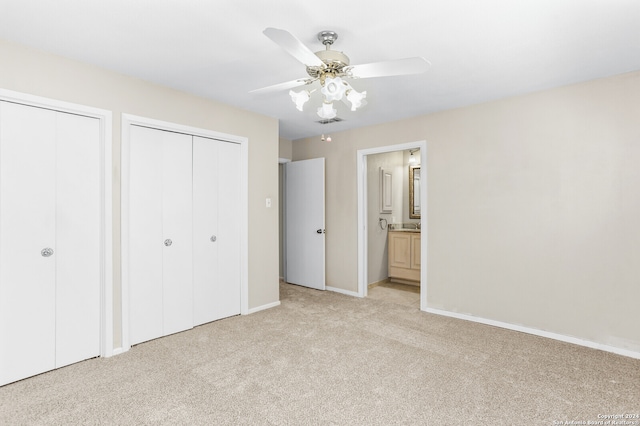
(129, 120)
(362, 214)
(283, 215)
(106, 196)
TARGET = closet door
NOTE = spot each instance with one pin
(49, 240)
(206, 268)
(27, 226)
(145, 235)
(160, 233)
(216, 229)
(78, 249)
(228, 302)
(177, 249)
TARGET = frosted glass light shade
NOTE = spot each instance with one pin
(333, 89)
(356, 98)
(327, 111)
(299, 98)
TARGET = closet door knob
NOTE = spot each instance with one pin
(213, 238)
(168, 242)
(46, 252)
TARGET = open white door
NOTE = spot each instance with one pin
(305, 232)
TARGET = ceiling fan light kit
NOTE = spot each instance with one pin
(300, 98)
(327, 111)
(331, 68)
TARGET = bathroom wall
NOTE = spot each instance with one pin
(377, 237)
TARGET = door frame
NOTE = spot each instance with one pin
(129, 120)
(106, 199)
(282, 197)
(362, 214)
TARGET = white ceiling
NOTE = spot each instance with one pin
(479, 49)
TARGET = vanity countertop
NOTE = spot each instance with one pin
(405, 230)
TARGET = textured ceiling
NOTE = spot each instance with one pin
(480, 50)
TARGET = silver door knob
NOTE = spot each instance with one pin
(46, 252)
(168, 242)
(213, 238)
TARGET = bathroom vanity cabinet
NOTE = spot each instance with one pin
(404, 256)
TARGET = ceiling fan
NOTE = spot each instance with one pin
(332, 69)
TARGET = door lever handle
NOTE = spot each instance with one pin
(320, 231)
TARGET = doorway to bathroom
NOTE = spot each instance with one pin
(391, 219)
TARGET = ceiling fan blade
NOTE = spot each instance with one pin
(293, 46)
(405, 66)
(282, 86)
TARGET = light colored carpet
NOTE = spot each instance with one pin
(402, 294)
(322, 358)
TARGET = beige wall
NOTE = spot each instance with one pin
(33, 72)
(533, 208)
(285, 149)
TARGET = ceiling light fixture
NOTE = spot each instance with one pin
(332, 86)
(331, 69)
(300, 98)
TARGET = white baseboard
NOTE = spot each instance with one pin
(116, 351)
(263, 307)
(341, 291)
(536, 332)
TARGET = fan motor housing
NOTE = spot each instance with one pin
(335, 61)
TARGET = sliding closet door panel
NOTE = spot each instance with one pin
(78, 252)
(27, 226)
(205, 230)
(228, 300)
(177, 257)
(145, 234)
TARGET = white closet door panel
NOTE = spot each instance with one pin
(177, 260)
(145, 235)
(205, 226)
(78, 212)
(228, 295)
(27, 225)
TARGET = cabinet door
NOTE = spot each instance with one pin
(415, 251)
(216, 229)
(400, 250)
(27, 226)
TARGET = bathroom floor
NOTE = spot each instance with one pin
(401, 294)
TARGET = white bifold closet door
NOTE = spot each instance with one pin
(184, 232)
(160, 234)
(216, 226)
(50, 218)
